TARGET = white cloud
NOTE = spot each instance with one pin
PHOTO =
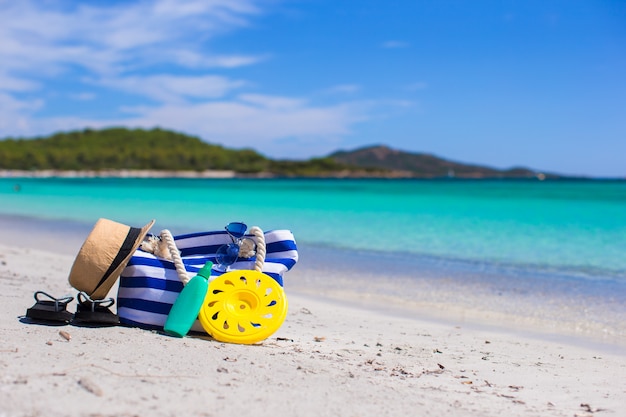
(237, 122)
(272, 102)
(9, 104)
(10, 83)
(192, 59)
(170, 88)
(37, 36)
(15, 115)
(48, 41)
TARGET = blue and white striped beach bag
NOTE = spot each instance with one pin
(149, 285)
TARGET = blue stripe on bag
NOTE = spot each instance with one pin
(199, 250)
(149, 285)
(283, 246)
(199, 234)
(144, 305)
(148, 282)
(162, 263)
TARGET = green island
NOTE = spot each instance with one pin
(163, 151)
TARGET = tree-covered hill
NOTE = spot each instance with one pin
(119, 148)
(138, 149)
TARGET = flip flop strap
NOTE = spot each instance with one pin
(57, 301)
(84, 298)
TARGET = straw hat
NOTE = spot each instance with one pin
(104, 255)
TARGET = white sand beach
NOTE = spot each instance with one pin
(328, 359)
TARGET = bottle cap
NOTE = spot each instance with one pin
(206, 270)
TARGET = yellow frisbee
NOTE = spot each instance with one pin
(243, 307)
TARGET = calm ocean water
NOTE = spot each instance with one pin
(568, 227)
(579, 227)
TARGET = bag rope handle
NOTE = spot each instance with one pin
(261, 251)
(167, 237)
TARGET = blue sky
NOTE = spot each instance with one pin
(533, 83)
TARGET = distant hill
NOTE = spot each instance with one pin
(150, 150)
(166, 151)
(121, 148)
(424, 165)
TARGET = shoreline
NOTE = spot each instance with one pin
(573, 311)
(118, 173)
(229, 174)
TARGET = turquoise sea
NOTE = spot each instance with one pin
(542, 240)
(577, 227)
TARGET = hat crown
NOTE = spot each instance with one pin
(103, 256)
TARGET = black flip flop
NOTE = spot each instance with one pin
(52, 310)
(90, 311)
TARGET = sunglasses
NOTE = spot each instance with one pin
(226, 255)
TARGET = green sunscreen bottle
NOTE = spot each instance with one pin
(187, 306)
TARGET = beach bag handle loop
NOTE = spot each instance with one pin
(261, 251)
(259, 238)
(166, 236)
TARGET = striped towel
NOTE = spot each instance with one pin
(149, 285)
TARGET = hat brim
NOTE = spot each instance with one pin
(95, 272)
